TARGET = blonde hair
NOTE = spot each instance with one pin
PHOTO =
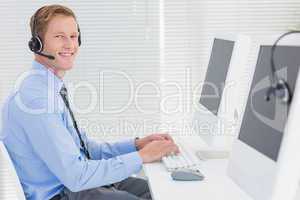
(40, 19)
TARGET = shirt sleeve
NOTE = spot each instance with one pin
(105, 150)
(52, 142)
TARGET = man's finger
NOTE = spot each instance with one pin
(158, 137)
(167, 136)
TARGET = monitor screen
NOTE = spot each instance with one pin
(264, 121)
(213, 86)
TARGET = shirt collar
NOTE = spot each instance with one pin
(53, 81)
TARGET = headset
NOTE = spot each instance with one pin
(35, 43)
(279, 87)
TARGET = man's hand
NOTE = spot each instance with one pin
(156, 149)
(141, 143)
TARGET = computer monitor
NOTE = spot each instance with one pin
(220, 99)
(255, 159)
(216, 74)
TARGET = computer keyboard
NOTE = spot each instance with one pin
(186, 159)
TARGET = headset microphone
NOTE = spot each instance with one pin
(45, 55)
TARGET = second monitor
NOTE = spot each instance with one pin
(221, 96)
(257, 154)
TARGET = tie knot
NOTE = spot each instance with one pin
(64, 94)
(63, 91)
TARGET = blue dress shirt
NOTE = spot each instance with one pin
(38, 133)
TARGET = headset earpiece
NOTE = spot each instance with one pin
(279, 88)
(79, 36)
(281, 91)
(35, 44)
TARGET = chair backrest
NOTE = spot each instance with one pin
(298, 193)
(14, 183)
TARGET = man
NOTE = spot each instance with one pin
(52, 157)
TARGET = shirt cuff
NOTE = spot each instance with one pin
(126, 146)
(133, 162)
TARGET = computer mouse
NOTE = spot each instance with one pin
(187, 175)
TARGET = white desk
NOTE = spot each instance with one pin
(216, 185)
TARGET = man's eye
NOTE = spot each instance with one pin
(59, 36)
(74, 36)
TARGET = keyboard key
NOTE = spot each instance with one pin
(185, 159)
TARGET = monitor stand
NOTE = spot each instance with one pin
(205, 155)
(216, 133)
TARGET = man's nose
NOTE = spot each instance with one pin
(68, 43)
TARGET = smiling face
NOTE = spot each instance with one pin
(61, 41)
